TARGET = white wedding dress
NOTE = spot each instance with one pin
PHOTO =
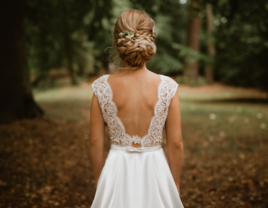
(136, 177)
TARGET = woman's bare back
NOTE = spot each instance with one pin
(135, 95)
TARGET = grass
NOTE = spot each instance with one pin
(225, 152)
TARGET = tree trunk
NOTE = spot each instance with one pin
(15, 88)
(69, 58)
(191, 66)
(68, 47)
(209, 70)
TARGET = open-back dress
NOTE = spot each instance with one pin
(136, 177)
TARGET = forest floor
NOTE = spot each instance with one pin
(45, 162)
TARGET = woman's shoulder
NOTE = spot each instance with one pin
(99, 82)
(163, 77)
(101, 78)
(168, 79)
(169, 86)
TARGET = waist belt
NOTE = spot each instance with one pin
(134, 149)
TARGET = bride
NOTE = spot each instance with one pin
(137, 105)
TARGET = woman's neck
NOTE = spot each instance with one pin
(132, 71)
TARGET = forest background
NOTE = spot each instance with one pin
(52, 50)
(200, 41)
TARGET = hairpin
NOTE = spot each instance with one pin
(127, 34)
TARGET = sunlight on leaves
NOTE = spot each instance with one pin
(263, 126)
(212, 116)
(211, 138)
(241, 156)
(232, 119)
(222, 134)
(259, 115)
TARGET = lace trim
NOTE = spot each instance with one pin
(117, 132)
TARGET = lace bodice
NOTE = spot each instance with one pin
(117, 132)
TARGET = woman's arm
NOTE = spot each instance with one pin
(96, 141)
(174, 139)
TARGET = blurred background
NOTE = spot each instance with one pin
(52, 50)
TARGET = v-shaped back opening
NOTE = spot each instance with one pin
(154, 111)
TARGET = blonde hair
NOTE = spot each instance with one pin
(139, 51)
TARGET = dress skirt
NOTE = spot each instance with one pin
(136, 178)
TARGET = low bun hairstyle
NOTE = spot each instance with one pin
(135, 52)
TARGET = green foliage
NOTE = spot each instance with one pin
(241, 42)
(58, 31)
(170, 19)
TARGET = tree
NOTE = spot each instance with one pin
(169, 18)
(193, 29)
(241, 42)
(70, 34)
(15, 89)
(209, 70)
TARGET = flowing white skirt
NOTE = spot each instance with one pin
(136, 178)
